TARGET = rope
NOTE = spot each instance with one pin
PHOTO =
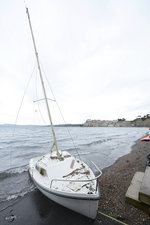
(112, 218)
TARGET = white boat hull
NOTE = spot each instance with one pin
(86, 207)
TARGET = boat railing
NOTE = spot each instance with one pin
(84, 180)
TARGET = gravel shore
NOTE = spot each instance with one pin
(115, 182)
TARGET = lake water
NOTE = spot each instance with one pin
(102, 145)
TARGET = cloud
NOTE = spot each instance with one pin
(95, 55)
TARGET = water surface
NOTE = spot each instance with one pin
(102, 145)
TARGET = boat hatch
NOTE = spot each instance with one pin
(41, 170)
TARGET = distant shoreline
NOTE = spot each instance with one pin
(29, 125)
(139, 122)
(68, 125)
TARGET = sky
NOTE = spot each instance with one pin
(94, 55)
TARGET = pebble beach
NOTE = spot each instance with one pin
(115, 182)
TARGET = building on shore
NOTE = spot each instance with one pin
(139, 122)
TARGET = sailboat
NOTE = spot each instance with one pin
(62, 177)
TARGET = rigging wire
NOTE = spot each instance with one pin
(60, 111)
(38, 104)
(25, 91)
(14, 128)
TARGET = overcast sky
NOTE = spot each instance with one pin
(94, 54)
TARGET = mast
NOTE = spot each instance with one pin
(43, 86)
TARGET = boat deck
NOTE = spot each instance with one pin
(66, 175)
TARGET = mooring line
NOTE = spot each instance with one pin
(112, 218)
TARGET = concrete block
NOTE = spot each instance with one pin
(132, 194)
(134, 188)
(144, 192)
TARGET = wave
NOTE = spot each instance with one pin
(82, 153)
(13, 171)
(63, 139)
(21, 194)
(15, 183)
(13, 141)
(71, 149)
(28, 147)
(97, 142)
